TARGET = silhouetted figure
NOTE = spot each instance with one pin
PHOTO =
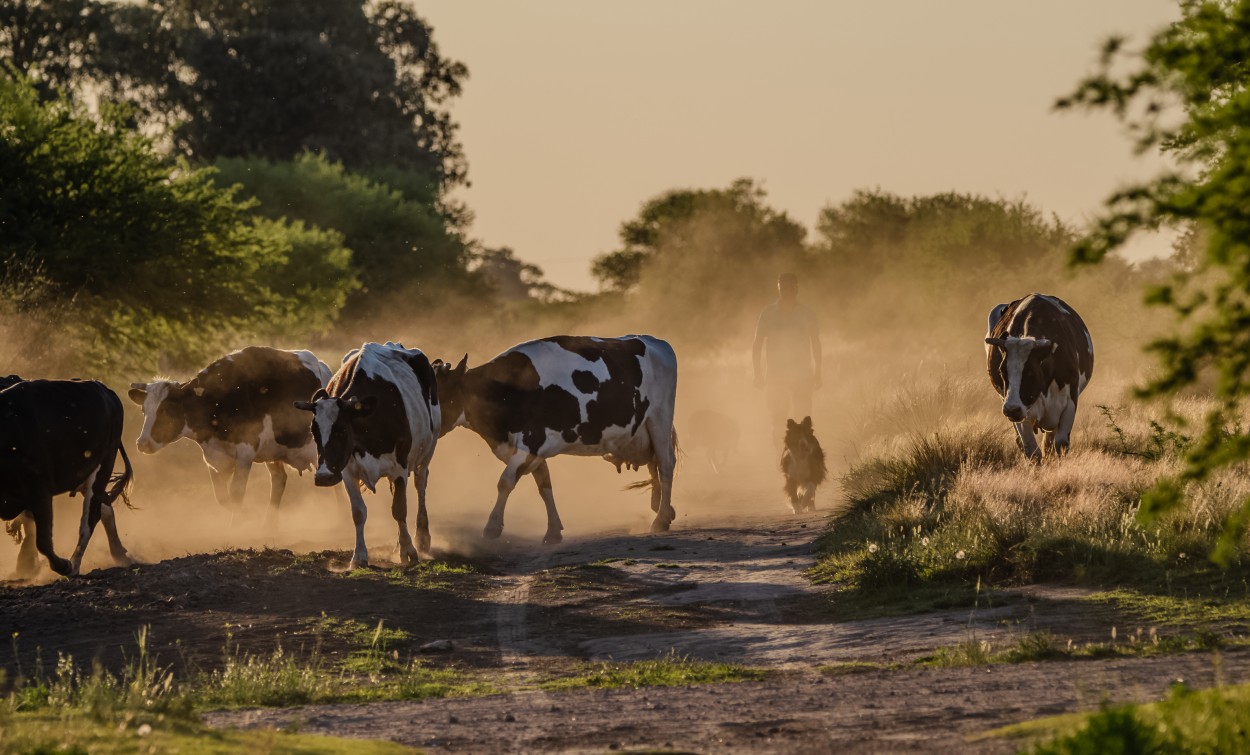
(788, 337)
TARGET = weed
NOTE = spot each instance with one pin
(671, 670)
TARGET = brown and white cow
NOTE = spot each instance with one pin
(378, 419)
(585, 396)
(240, 411)
(1040, 358)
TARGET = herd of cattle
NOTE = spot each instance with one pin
(379, 417)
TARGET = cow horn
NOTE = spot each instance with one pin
(464, 363)
(1042, 343)
(137, 386)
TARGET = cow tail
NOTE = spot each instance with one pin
(121, 482)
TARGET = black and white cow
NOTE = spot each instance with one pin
(379, 419)
(1040, 359)
(239, 410)
(60, 436)
(609, 397)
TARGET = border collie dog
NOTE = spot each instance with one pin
(803, 464)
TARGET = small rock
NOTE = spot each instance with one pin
(437, 646)
(555, 709)
(803, 526)
(453, 720)
(775, 730)
(509, 717)
(614, 746)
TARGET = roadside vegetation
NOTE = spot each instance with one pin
(1201, 722)
(668, 671)
(930, 517)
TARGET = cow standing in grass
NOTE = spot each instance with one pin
(608, 397)
(1040, 358)
(379, 419)
(240, 411)
(60, 436)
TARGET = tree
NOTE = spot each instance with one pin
(699, 231)
(92, 214)
(362, 82)
(396, 242)
(1187, 93)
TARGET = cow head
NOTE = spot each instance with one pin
(1025, 369)
(336, 421)
(164, 413)
(451, 393)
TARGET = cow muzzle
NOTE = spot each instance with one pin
(147, 445)
(1015, 413)
(326, 478)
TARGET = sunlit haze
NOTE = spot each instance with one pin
(575, 113)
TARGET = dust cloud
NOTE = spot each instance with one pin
(902, 357)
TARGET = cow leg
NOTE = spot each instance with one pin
(666, 461)
(42, 512)
(90, 517)
(221, 472)
(1028, 444)
(277, 486)
(654, 469)
(1048, 443)
(238, 483)
(27, 566)
(360, 556)
(420, 479)
(1063, 434)
(507, 481)
(542, 477)
(116, 549)
(399, 510)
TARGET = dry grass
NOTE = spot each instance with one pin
(961, 505)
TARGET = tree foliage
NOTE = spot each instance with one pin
(1187, 93)
(362, 82)
(93, 214)
(396, 242)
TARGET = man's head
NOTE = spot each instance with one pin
(788, 288)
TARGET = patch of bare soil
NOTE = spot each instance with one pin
(728, 584)
(918, 709)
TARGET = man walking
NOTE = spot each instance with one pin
(787, 332)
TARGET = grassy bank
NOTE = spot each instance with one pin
(930, 516)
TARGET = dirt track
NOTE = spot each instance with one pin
(728, 585)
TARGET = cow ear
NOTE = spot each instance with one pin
(306, 406)
(437, 363)
(464, 364)
(363, 407)
(138, 392)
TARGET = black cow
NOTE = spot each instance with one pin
(1040, 358)
(379, 419)
(239, 410)
(609, 397)
(60, 436)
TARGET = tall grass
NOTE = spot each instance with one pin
(962, 504)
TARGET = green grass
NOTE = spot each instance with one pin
(845, 668)
(1043, 646)
(668, 671)
(1209, 721)
(78, 734)
(1183, 604)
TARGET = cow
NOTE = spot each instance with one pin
(586, 396)
(60, 436)
(239, 409)
(1040, 358)
(379, 419)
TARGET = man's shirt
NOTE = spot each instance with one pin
(787, 335)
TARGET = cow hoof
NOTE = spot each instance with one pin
(123, 560)
(362, 563)
(552, 538)
(423, 544)
(658, 526)
(62, 566)
(492, 531)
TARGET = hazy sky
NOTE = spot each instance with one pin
(577, 112)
